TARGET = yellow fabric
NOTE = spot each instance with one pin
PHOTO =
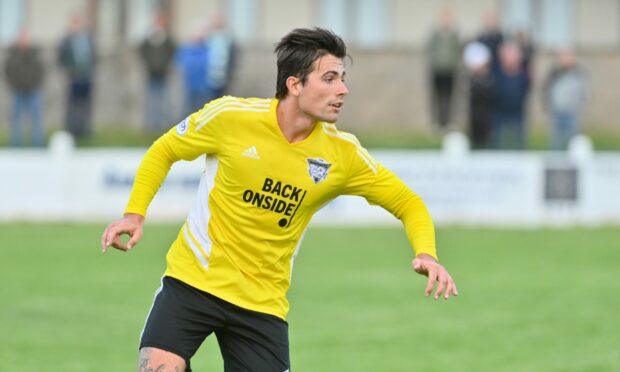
(258, 194)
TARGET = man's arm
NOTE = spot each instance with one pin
(186, 141)
(150, 175)
(382, 187)
(410, 209)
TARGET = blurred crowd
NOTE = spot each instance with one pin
(205, 64)
(498, 69)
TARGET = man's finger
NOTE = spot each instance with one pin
(118, 244)
(449, 289)
(432, 277)
(107, 238)
(103, 238)
(108, 235)
(135, 238)
(443, 281)
(455, 292)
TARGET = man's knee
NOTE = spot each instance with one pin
(153, 359)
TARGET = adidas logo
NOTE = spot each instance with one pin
(251, 153)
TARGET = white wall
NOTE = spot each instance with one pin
(597, 26)
(482, 188)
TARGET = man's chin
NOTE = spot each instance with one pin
(330, 118)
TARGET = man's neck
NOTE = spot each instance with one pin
(294, 125)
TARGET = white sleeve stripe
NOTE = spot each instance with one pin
(351, 137)
(368, 156)
(225, 99)
(365, 152)
(374, 169)
(360, 150)
(232, 101)
(208, 119)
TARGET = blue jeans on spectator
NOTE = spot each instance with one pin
(508, 131)
(564, 126)
(27, 103)
(79, 108)
(157, 113)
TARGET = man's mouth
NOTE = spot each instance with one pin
(337, 105)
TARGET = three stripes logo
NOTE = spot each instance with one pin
(251, 153)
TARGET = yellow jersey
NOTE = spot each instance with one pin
(257, 195)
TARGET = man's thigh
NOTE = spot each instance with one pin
(180, 319)
(255, 342)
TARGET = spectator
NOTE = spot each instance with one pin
(477, 59)
(511, 91)
(24, 71)
(523, 40)
(77, 57)
(565, 96)
(444, 52)
(157, 52)
(492, 37)
(526, 45)
(191, 59)
(221, 55)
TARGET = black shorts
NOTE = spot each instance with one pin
(183, 316)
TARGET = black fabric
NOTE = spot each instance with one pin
(442, 98)
(183, 316)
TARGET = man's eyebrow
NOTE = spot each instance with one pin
(334, 72)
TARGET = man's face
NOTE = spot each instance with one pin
(321, 96)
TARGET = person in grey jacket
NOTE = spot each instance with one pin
(565, 97)
(157, 52)
(77, 57)
(24, 72)
(444, 54)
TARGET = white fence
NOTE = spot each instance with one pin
(460, 187)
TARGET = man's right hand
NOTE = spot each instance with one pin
(131, 225)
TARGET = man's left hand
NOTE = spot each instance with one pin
(426, 265)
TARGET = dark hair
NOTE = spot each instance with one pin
(298, 50)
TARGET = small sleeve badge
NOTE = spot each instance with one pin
(183, 126)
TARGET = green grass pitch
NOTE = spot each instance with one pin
(530, 300)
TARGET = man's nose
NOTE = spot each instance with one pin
(343, 90)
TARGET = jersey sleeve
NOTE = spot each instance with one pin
(369, 179)
(197, 135)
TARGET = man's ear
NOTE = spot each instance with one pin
(293, 83)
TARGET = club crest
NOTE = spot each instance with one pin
(318, 169)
